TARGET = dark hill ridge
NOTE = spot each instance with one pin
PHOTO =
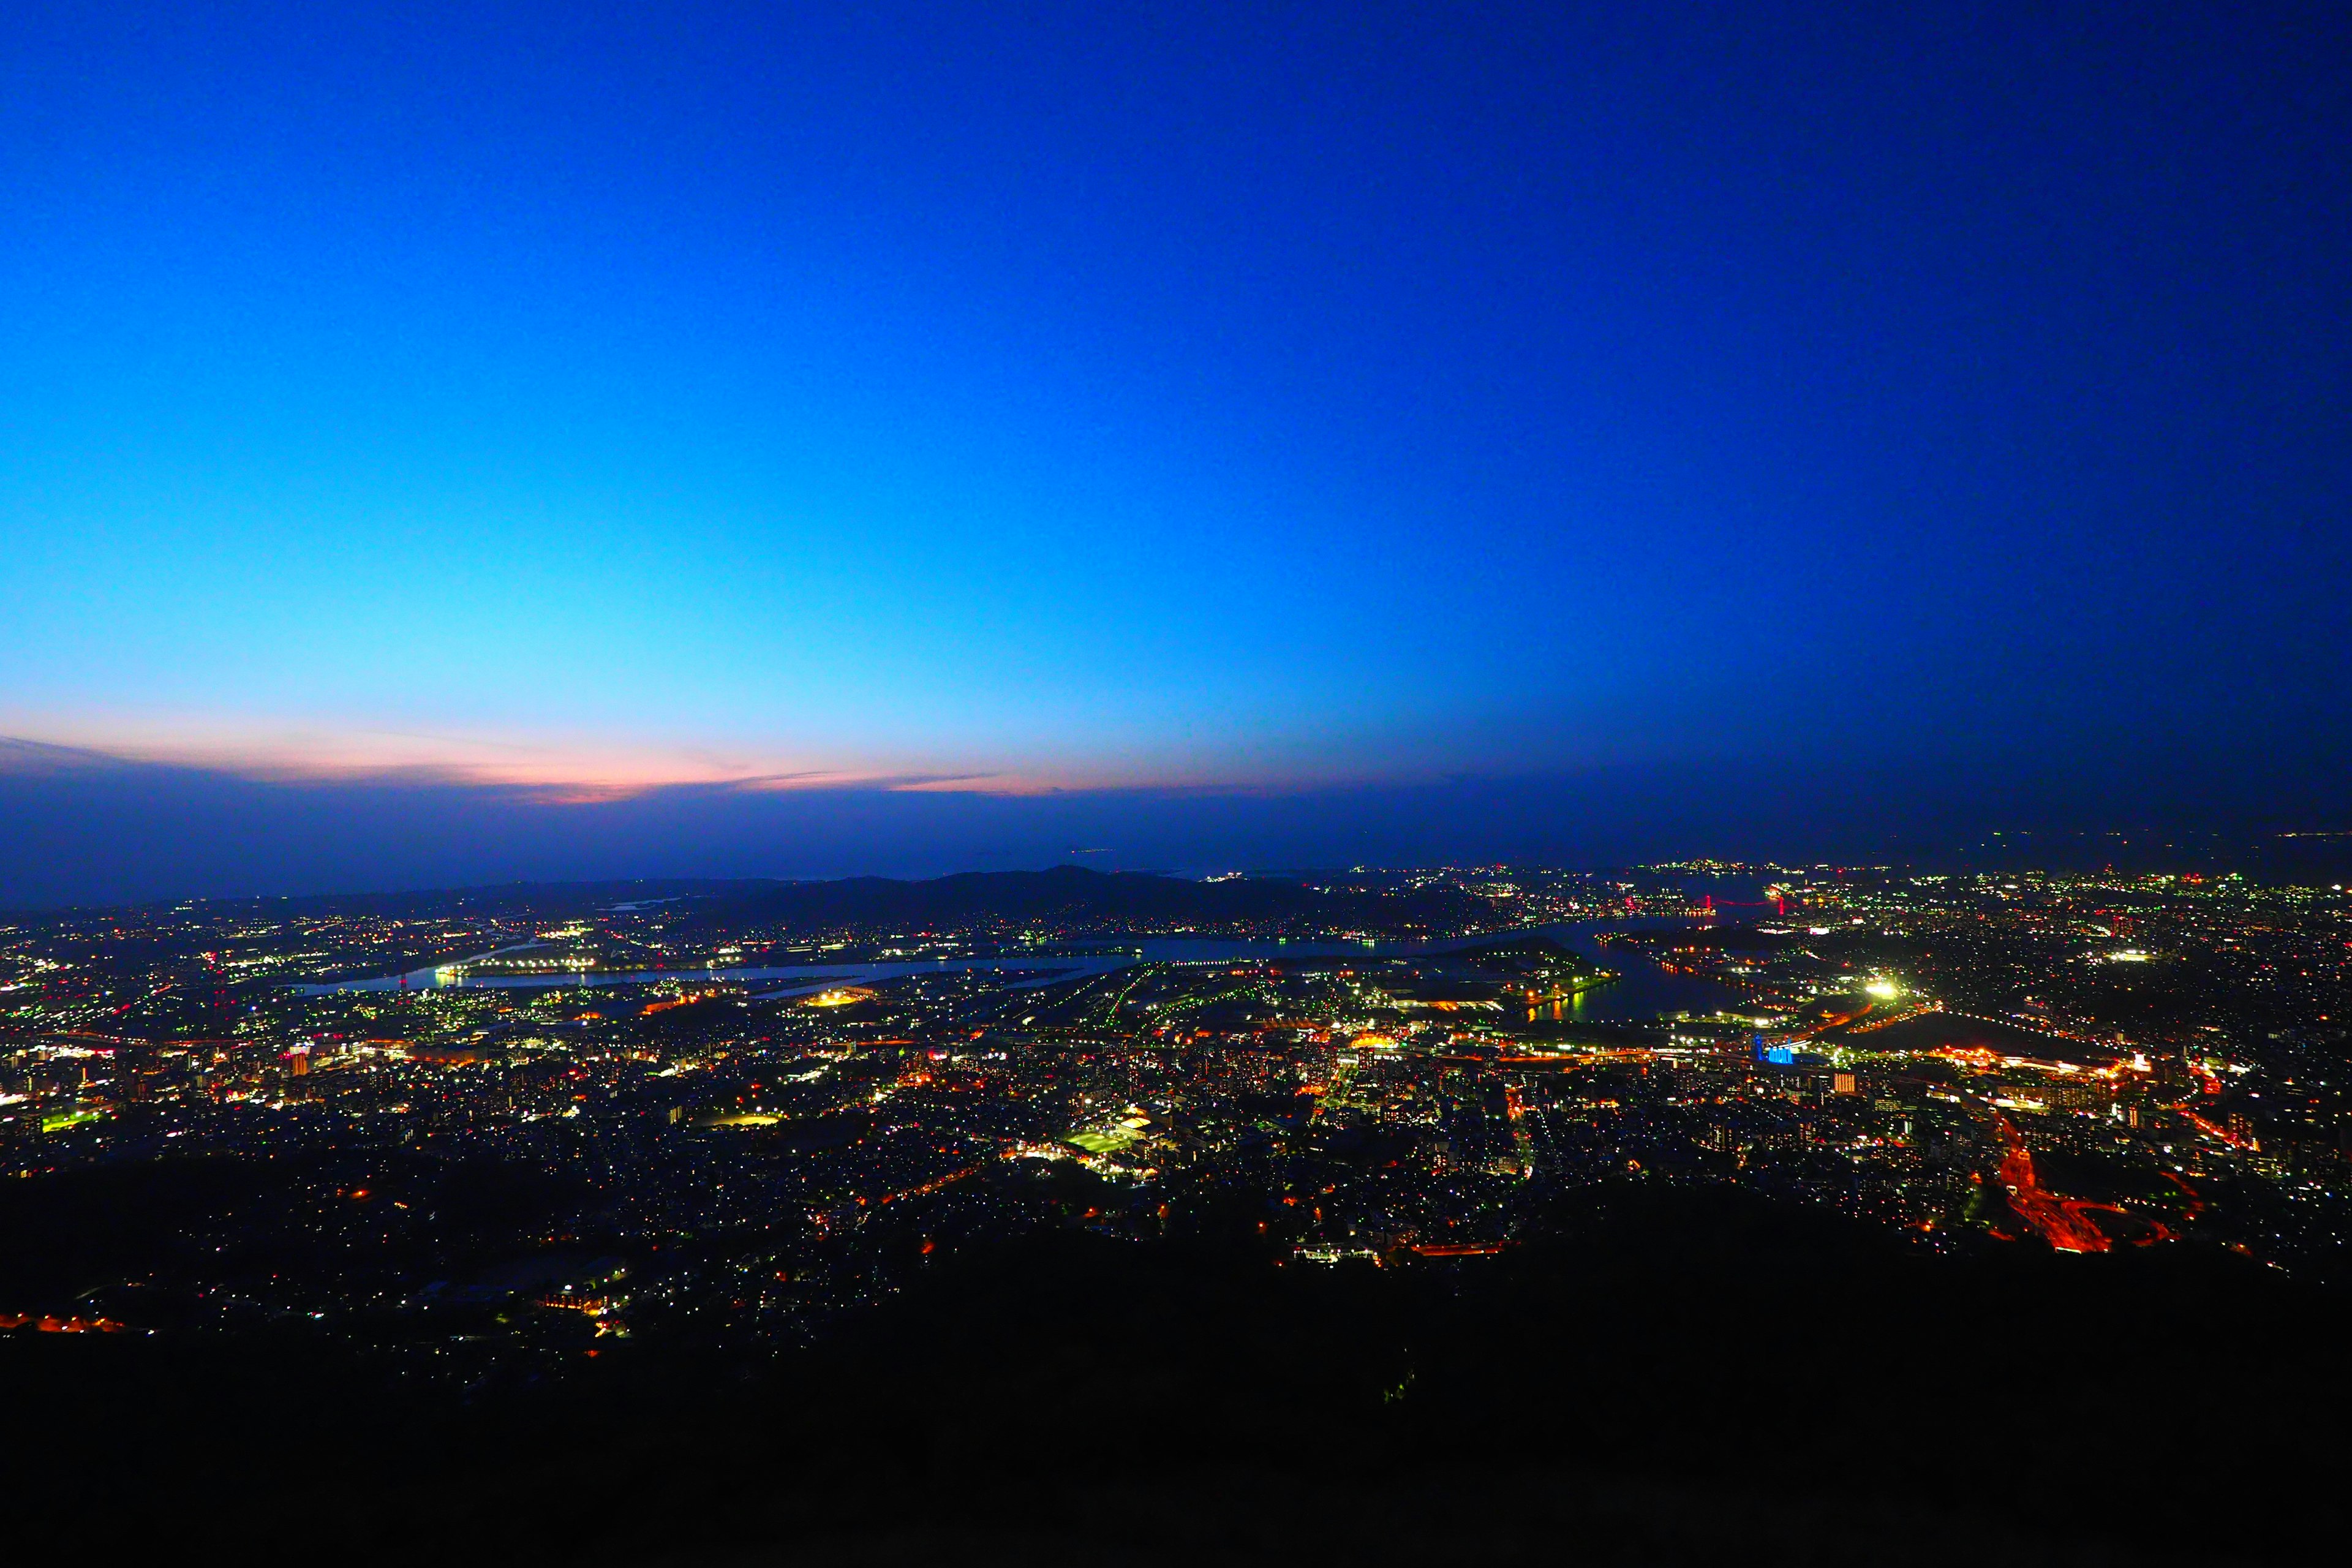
(1074, 896)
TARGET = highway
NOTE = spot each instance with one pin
(2058, 1221)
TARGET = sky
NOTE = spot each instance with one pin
(919, 435)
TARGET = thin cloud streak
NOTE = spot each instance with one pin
(570, 769)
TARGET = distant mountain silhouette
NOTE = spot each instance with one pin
(1076, 896)
(1069, 896)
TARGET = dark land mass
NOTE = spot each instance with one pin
(1728, 938)
(1069, 894)
(1074, 898)
(1515, 954)
(1069, 902)
(1655, 1376)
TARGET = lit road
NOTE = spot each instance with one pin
(2058, 1221)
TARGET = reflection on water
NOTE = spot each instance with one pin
(1643, 990)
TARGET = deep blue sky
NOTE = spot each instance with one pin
(1339, 400)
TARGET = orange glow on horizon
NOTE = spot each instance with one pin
(550, 770)
(557, 769)
(598, 767)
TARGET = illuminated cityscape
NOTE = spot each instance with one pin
(477, 1143)
(740, 1112)
(1183, 784)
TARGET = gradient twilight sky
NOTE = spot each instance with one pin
(1039, 397)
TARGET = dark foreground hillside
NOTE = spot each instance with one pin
(1671, 1376)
